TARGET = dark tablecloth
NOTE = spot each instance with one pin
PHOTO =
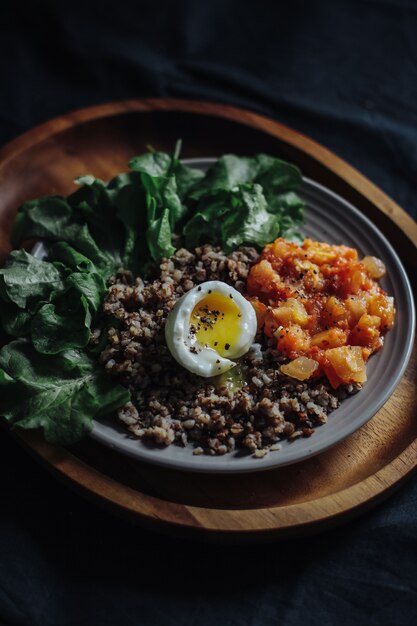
(344, 73)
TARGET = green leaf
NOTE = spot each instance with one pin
(248, 218)
(25, 278)
(65, 322)
(158, 237)
(53, 219)
(224, 175)
(186, 178)
(276, 176)
(164, 211)
(152, 163)
(25, 283)
(205, 225)
(50, 218)
(92, 193)
(161, 164)
(161, 193)
(15, 322)
(106, 260)
(249, 222)
(290, 229)
(288, 205)
(62, 324)
(60, 393)
(48, 301)
(93, 204)
(129, 198)
(91, 285)
(116, 216)
(230, 171)
(70, 257)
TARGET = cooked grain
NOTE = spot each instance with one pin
(171, 405)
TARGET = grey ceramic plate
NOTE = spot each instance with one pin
(332, 219)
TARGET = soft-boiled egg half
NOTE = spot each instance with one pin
(209, 326)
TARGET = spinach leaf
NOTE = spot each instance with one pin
(163, 190)
(25, 283)
(233, 219)
(164, 210)
(205, 225)
(60, 393)
(160, 164)
(131, 210)
(49, 302)
(152, 163)
(65, 322)
(25, 278)
(249, 222)
(186, 178)
(116, 215)
(66, 254)
(103, 259)
(62, 324)
(279, 212)
(289, 209)
(158, 237)
(129, 202)
(90, 285)
(15, 321)
(229, 171)
(50, 218)
(86, 220)
(287, 205)
(290, 228)
(166, 182)
(93, 205)
(224, 175)
(276, 176)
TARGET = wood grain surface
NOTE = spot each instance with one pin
(309, 496)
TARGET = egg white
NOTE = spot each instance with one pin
(183, 345)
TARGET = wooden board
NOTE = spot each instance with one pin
(320, 492)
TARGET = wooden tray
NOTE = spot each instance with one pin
(323, 491)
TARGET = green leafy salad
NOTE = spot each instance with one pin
(49, 372)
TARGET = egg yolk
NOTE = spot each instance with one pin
(215, 321)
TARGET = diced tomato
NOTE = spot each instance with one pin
(315, 298)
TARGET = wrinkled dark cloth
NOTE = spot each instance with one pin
(344, 73)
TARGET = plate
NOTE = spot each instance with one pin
(328, 218)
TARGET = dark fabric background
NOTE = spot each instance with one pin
(342, 72)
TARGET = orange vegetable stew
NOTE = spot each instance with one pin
(324, 307)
